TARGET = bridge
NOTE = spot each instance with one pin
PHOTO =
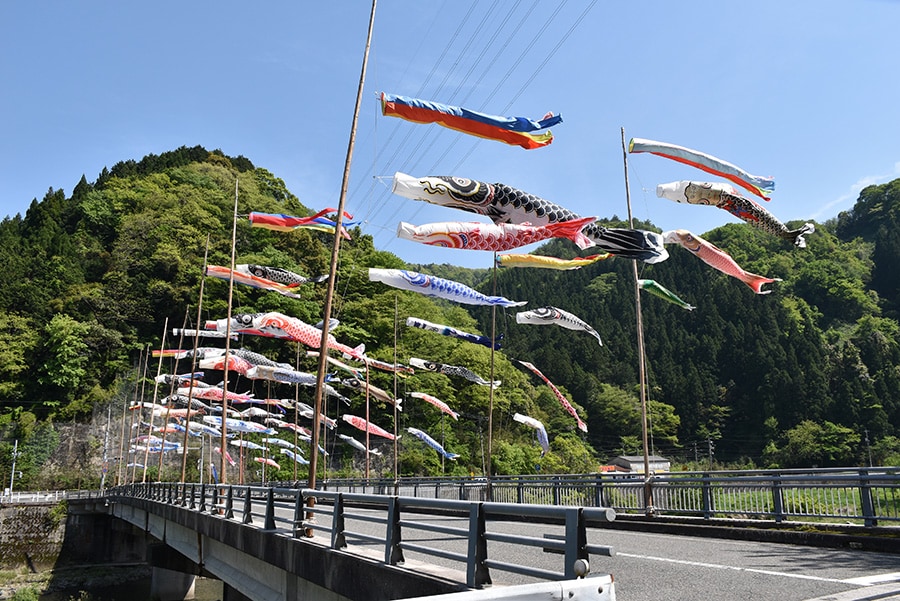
(279, 542)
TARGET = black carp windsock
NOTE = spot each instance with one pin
(725, 197)
(505, 204)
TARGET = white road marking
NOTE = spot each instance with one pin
(877, 579)
(717, 566)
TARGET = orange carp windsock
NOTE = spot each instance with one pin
(717, 258)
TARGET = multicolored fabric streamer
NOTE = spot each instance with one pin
(510, 130)
(760, 186)
(287, 223)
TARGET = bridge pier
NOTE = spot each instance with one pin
(169, 585)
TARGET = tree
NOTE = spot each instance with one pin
(810, 444)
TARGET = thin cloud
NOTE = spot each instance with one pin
(853, 193)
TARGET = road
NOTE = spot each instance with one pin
(667, 567)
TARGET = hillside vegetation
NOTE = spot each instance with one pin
(807, 375)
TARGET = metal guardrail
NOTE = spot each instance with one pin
(864, 495)
(399, 524)
(33, 497)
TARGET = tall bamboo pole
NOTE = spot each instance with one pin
(329, 295)
(162, 347)
(187, 420)
(648, 489)
(223, 476)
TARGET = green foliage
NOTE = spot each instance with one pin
(788, 378)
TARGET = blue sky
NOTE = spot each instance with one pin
(804, 91)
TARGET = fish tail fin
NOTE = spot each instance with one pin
(757, 281)
(797, 236)
(572, 230)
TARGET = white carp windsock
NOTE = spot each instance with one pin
(431, 285)
(551, 315)
(358, 445)
(724, 196)
(504, 204)
(539, 429)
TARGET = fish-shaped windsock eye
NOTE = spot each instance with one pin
(431, 365)
(257, 270)
(245, 319)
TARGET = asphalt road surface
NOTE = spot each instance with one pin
(667, 567)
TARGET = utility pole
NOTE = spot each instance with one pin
(105, 467)
(710, 446)
(12, 475)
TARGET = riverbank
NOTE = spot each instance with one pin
(69, 582)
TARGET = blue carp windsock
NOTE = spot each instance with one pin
(431, 443)
(504, 204)
(552, 315)
(452, 332)
(430, 285)
(725, 197)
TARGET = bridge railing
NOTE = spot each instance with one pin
(864, 495)
(397, 525)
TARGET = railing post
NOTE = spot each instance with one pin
(777, 499)
(193, 504)
(556, 490)
(706, 495)
(477, 573)
(202, 507)
(338, 540)
(598, 491)
(214, 505)
(229, 503)
(865, 494)
(520, 491)
(298, 511)
(247, 518)
(270, 510)
(576, 540)
(393, 554)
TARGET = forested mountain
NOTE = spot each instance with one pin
(806, 375)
